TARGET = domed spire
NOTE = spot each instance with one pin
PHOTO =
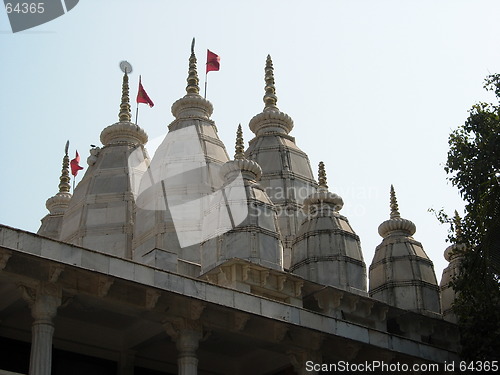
(286, 172)
(192, 80)
(247, 220)
(396, 223)
(124, 131)
(270, 98)
(271, 119)
(326, 249)
(401, 273)
(456, 249)
(249, 169)
(454, 255)
(192, 105)
(323, 196)
(58, 204)
(124, 114)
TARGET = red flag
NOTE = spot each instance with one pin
(142, 96)
(75, 167)
(213, 61)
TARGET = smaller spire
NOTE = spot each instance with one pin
(124, 114)
(322, 176)
(270, 98)
(192, 80)
(64, 186)
(394, 205)
(240, 146)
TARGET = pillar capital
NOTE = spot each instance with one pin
(43, 299)
(187, 334)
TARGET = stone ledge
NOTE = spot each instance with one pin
(15, 241)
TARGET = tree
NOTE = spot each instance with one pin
(473, 166)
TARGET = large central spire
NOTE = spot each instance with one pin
(185, 175)
(286, 173)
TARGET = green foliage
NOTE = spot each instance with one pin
(473, 161)
(472, 165)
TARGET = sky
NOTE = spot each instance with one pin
(374, 89)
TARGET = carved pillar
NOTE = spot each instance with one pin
(44, 301)
(126, 363)
(187, 335)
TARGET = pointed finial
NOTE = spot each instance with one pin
(64, 186)
(192, 80)
(394, 204)
(457, 220)
(240, 146)
(270, 98)
(124, 114)
(322, 176)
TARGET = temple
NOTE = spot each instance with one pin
(193, 262)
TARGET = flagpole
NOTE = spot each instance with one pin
(206, 75)
(137, 103)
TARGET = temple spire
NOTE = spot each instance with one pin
(322, 176)
(192, 80)
(394, 205)
(240, 146)
(124, 114)
(270, 98)
(64, 186)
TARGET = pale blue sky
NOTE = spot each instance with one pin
(374, 88)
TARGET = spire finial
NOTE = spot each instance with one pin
(457, 220)
(270, 98)
(240, 146)
(192, 80)
(64, 185)
(124, 114)
(394, 205)
(322, 176)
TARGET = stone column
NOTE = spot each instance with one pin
(126, 363)
(187, 344)
(187, 335)
(44, 301)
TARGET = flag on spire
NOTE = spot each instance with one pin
(142, 96)
(75, 167)
(213, 61)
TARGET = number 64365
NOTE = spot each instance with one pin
(24, 8)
